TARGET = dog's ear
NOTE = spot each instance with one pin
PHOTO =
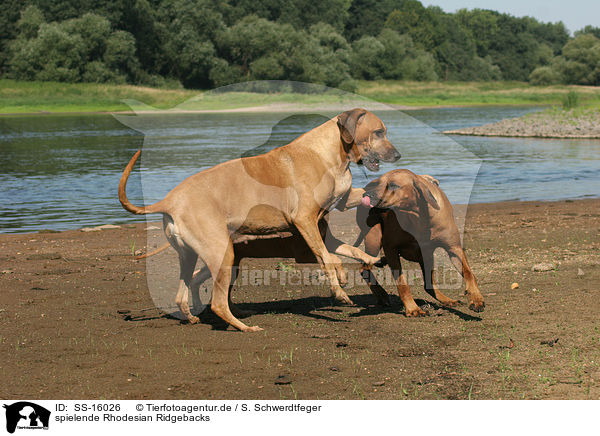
(422, 188)
(347, 123)
(372, 185)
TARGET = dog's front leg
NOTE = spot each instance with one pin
(310, 232)
(352, 199)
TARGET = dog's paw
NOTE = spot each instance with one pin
(193, 320)
(254, 328)
(477, 306)
(415, 313)
(342, 298)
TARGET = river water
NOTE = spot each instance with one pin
(61, 171)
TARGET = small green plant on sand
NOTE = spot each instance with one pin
(570, 100)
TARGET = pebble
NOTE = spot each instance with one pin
(378, 383)
(515, 285)
(543, 267)
(283, 380)
(580, 272)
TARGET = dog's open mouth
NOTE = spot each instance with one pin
(371, 162)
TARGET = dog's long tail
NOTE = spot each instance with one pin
(154, 208)
(152, 253)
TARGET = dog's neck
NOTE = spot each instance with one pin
(325, 140)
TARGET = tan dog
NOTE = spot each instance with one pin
(280, 245)
(290, 187)
(409, 216)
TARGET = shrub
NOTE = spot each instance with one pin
(542, 76)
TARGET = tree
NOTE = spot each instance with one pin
(579, 63)
(190, 27)
(582, 60)
(54, 55)
(589, 30)
(367, 17)
(366, 55)
(416, 21)
(119, 55)
(72, 50)
(301, 14)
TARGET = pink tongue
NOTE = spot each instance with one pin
(366, 201)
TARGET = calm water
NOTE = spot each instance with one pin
(61, 172)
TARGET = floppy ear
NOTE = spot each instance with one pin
(372, 185)
(347, 123)
(426, 193)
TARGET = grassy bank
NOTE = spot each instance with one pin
(473, 93)
(35, 97)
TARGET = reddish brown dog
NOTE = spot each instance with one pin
(409, 216)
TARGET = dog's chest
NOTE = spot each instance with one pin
(343, 184)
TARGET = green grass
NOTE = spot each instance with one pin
(39, 97)
(473, 93)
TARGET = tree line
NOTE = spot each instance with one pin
(210, 43)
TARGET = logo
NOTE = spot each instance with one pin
(26, 415)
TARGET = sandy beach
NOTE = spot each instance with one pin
(77, 322)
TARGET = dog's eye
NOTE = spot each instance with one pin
(393, 186)
(379, 133)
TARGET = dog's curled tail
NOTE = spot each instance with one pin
(154, 208)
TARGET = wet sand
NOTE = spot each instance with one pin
(77, 321)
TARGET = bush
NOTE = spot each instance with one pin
(421, 68)
(365, 58)
(98, 72)
(222, 73)
(542, 76)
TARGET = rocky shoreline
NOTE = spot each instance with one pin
(551, 123)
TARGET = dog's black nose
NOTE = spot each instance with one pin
(395, 155)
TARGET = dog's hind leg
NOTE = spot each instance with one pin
(221, 272)
(410, 306)
(187, 262)
(459, 259)
(236, 311)
(200, 276)
(429, 284)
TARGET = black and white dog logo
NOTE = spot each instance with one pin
(26, 415)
